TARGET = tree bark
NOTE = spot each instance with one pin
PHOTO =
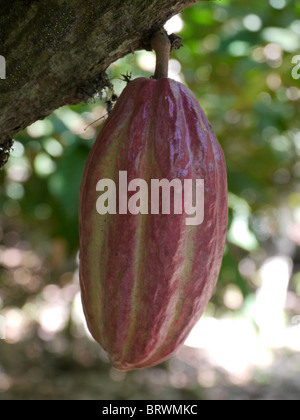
(57, 51)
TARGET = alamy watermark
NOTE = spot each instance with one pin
(2, 67)
(2, 328)
(186, 193)
(296, 69)
(296, 320)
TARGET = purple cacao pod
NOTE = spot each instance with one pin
(147, 278)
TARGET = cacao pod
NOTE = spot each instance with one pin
(147, 278)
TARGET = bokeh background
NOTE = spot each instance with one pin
(238, 60)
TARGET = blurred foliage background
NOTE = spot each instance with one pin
(238, 60)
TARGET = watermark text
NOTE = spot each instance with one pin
(296, 320)
(296, 69)
(188, 197)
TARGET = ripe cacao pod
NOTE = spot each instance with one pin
(146, 279)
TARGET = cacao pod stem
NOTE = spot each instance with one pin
(161, 44)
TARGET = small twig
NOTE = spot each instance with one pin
(126, 77)
(99, 119)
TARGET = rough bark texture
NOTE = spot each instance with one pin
(57, 52)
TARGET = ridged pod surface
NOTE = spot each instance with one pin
(146, 279)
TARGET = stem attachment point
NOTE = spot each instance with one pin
(161, 44)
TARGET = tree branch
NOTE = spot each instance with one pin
(57, 52)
